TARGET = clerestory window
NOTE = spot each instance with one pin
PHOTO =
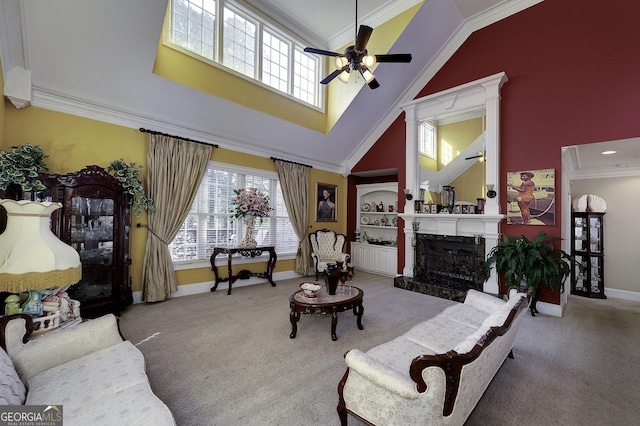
(246, 43)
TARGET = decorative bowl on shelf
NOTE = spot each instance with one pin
(310, 289)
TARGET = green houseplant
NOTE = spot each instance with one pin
(21, 167)
(128, 174)
(530, 263)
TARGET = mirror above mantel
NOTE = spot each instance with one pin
(456, 141)
(478, 100)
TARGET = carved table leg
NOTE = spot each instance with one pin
(334, 323)
(358, 310)
(294, 317)
(215, 271)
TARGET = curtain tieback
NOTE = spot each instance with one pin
(143, 225)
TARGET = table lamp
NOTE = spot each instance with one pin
(31, 256)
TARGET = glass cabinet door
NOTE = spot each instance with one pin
(92, 235)
(588, 249)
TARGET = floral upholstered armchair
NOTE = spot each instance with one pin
(326, 247)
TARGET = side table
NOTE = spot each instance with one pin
(246, 252)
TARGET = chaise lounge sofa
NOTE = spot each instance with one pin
(437, 371)
(89, 370)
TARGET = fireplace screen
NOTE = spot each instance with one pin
(451, 262)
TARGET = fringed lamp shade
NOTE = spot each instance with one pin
(31, 256)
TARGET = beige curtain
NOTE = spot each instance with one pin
(294, 180)
(174, 171)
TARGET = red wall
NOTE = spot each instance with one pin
(574, 78)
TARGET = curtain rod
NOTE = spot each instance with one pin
(176, 137)
(292, 162)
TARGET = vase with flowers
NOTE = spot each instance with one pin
(249, 204)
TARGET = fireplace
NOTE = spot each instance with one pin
(446, 266)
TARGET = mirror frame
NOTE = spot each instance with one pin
(485, 93)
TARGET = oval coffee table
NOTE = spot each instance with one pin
(324, 304)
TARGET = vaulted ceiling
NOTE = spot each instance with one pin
(95, 59)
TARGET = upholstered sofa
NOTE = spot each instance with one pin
(89, 370)
(326, 247)
(437, 371)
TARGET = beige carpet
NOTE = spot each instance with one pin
(228, 360)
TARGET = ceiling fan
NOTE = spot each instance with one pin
(357, 58)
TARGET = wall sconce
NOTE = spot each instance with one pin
(407, 195)
(490, 192)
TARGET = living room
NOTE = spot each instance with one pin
(572, 70)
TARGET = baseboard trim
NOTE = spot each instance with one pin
(205, 287)
(633, 296)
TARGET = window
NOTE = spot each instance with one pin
(427, 139)
(251, 46)
(210, 222)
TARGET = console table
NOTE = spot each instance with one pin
(246, 252)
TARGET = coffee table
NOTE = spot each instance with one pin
(324, 304)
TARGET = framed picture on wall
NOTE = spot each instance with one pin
(326, 199)
(531, 197)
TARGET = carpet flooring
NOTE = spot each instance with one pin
(226, 360)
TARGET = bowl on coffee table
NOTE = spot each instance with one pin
(310, 290)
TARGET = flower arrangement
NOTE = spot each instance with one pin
(250, 202)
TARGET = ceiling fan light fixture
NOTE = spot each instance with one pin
(344, 76)
(369, 61)
(368, 76)
(341, 62)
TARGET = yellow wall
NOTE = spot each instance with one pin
(3, 106)
(73, 142)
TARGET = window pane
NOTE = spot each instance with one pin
(194, 27)
(275, 61)
(427, 139)
(305, 82)
(239, 43)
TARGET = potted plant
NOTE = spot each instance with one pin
(128, 176)
(530, 263)
(21, 166)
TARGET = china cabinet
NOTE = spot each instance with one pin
(377, 229)
(587, 247)
(94, 220)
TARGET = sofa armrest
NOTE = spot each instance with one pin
(380, 374)
(483, 301)
(61, 346)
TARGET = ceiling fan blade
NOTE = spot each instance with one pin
(364, 33)
(373, 84)
(394, 57)
(321, 52)
(331, 76)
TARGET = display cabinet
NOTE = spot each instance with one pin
(587, 247)
(94, 220)
(377, 229)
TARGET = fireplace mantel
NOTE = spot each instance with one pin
(465, 225)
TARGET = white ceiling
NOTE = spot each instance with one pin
(95, 59)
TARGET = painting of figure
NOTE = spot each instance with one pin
(531, 197)
(326, 199)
